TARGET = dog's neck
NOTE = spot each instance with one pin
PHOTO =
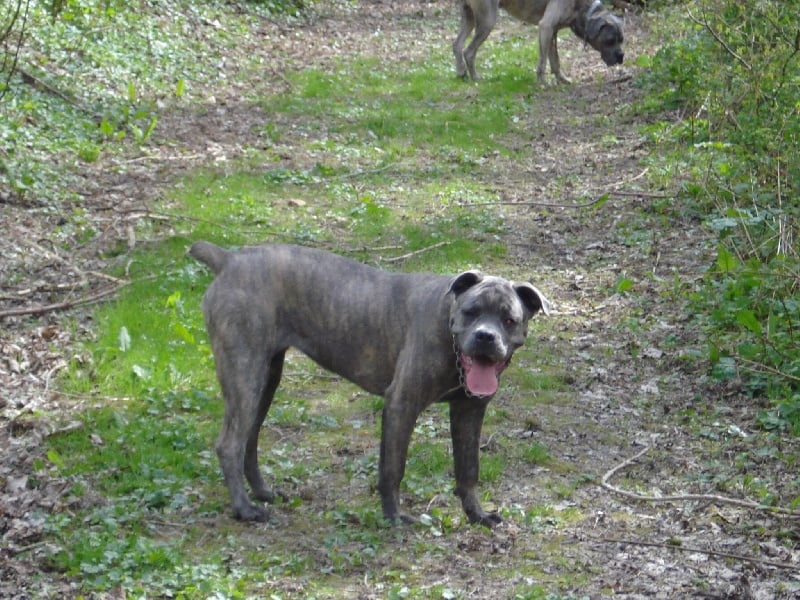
(579, 25)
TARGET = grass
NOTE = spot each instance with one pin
(384, 162)
(109, 79)
(144, 479)
(396, 108)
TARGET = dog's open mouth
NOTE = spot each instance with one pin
(481, 374)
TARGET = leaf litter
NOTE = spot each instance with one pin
(622, 346)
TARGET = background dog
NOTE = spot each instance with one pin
(588, 19)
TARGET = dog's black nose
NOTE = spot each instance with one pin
(483, 335)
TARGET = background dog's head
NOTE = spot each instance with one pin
(602, 30)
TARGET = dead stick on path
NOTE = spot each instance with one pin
(38, 310)
(686, 497)
(415, 252)
(681, 548)
(600, 199)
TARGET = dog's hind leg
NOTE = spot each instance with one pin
(251, 469)
(467, 25)
(485, 17)
(244, 380)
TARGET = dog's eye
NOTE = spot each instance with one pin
(509, 322)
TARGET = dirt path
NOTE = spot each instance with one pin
(621, 351)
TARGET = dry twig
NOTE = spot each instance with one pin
(685, 497)
(682, 548)
(415, 252)
(67, 304)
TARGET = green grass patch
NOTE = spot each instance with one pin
(152, 336)
(137, 468)
(105, 69)
(384, 174)
(374, 102)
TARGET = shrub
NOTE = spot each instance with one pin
(733, 75)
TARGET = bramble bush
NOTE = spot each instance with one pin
(733, 76)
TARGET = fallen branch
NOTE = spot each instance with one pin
(614, 191)
(602, 198)
(685, 497)
(23, 238)
(640, 194)
(43, 86)
(414, 253)
(757, 367)
(67, 304)
(682, 548)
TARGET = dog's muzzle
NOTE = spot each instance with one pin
(612, 58)
(478, 375)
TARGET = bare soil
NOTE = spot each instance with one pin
(621, 351)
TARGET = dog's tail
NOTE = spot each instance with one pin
(214, 256)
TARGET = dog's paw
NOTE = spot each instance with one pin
(400, 518)
(486, 519)
(271, 496)
(251, 512)
(407, 519)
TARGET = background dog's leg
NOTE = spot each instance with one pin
(554, 16)
(485, 16)
(546, 40)
(555, 63)
(467, 25)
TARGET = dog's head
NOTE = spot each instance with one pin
(489, 320)
(602, 30)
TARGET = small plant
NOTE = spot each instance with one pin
(536, 454)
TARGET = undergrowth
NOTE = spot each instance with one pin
(731, 75)
(84, 78)
(387, 185)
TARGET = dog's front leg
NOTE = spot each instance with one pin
(466, 421)
(399, 417)
(546, 36)
(555, 63)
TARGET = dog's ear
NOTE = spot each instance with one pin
(532, 299)
(593, 27)
(461, 283)
(595, 24)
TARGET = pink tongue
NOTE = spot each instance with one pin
(482, 379)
